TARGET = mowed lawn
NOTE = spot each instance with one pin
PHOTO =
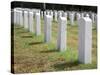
(32, 54)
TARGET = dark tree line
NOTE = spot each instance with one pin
(52, 6)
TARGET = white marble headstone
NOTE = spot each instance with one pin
(92, 16)
(78, 16)
(17, 17)
(61, 38)
(82, 14)
(55, 15)
(31, 23)
(47, 28)
(26, 19)
(21, 17)
(85, 40)
(13, 21)
(64, 14)
(71, 18)
(42, 14)
(38, 24)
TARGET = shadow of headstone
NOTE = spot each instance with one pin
(34, 43)
(62, 66)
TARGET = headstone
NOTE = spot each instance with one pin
(51, 13)
(38, 11)
(15, 10)
(38, 24)
(85, 13)
(64, 14)
(17, 17)
(55, 15)
(71, 18)
(78, 16)
(82, 14)
(92, 16)
(21, 17)
(31, 27)
(61, 39)
(42, 14)
(85, 40)
(47, 28)
(59, 15)
(47, 12)
(68, 15)
(26, 23)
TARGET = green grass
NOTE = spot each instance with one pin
(32, 54)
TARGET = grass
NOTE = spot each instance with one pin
(31, 54)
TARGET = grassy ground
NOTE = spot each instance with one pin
(31, 54)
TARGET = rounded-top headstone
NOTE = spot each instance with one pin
(85, 39)
(47, 28)
(63, 18)
(87, 15)
(25, 11)
(61, 39)
(38, 23)
(49, 16)
(37, 13)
